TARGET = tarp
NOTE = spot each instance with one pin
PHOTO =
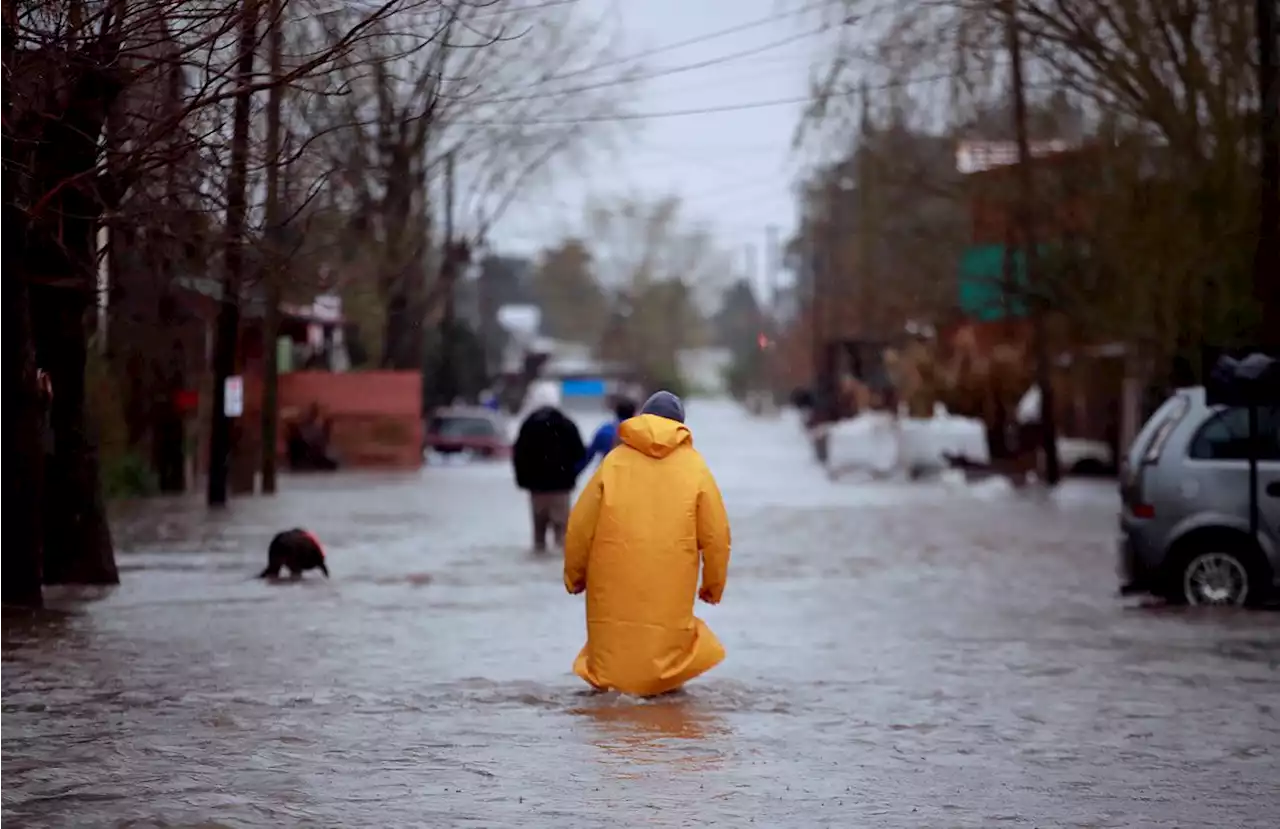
(584, 387)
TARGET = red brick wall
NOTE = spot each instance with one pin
(375, 415)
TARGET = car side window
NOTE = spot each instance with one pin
(1225, 436)
(466, 427)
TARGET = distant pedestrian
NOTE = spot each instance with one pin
(307, 442)
(548, 456)
(646, 525)
(606, 437)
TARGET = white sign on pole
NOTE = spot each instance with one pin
(233, 397)
(327, 308)
(976, 156)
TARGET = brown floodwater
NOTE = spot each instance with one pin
(900, 655)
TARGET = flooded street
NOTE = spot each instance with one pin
(899, 655)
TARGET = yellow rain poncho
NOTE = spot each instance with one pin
(649, 516)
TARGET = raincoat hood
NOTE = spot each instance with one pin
(654, 435)
(543, 393)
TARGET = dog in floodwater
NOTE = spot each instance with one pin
(294, 550)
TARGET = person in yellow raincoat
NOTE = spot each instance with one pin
(650, 517)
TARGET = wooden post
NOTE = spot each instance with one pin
(274, 255)
(1037, 303)
(447, 382)
(1266, 264)
(226, 344)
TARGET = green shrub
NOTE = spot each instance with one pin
(128, 476)
(104, 409)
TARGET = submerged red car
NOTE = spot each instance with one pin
(468, 430)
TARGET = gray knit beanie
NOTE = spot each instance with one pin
(664, 404)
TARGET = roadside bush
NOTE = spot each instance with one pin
(124, 472)
(128, 476)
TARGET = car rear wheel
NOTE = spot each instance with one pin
(1216, 567)
(1217, 578)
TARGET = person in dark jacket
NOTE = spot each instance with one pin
(548, 455)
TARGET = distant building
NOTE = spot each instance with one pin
(501, 282)
(704, 369)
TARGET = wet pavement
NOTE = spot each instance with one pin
(900, 655)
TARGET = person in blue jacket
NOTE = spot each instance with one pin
(606, 437)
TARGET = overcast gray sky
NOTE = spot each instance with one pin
(734, 169)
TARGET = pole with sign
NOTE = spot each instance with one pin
(233, 397)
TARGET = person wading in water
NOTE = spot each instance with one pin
(548, 456)
(647, 522)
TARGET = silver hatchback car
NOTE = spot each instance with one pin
(1184, 516)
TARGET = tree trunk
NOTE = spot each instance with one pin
(77, 539)
(227, 339)
(168, 451)
(59, 256)
(404, 267)
(20, 581)
(168, 429)
(23, 444)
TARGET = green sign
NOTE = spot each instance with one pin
(982, 283)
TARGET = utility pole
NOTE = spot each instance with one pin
(1266, 262)
(226, 340)
(1026, 221)
(447, 382)
(866, 223)
(749, 261)
(275, 260)
(815, 264)
(823, 265)
(825, 408)
(773, 265)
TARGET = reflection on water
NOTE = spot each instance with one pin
(674, 730)
(25, 629)
(897, 657)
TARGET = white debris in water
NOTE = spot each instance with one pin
(879, 443)
(1029, 406)
(868, 442)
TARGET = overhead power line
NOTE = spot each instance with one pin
(658, 73)
(711, 110)
(681, 44)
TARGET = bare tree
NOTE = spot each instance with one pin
(663, 273)
(475, 85)
(1169, 92)
(108, 105)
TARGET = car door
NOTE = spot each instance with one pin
(1219, 452)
